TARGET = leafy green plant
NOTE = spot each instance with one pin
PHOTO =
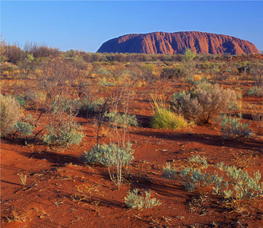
(92, 107)
(232, 127)
(109, 155)
(255, 91)
(122, 119)
(21, 100)
(23, 129)
(234, 183)
(133, 200)
(103, 82)
(198, 159)
(189, 64)
(63, 136)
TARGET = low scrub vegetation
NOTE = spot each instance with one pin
(109, 155)
(204, 102)
(51, 98)
(135, 201)
(166, 119)
(233, 184)
(255, 91)
(63, 136)
(10, 113)
(233, 127)
(122, 119)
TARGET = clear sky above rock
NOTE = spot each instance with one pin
(85, 25)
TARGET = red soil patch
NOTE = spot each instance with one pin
(61, 191)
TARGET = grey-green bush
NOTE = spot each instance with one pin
(133, 200)
(232, 183)
(23, 129)
(109, 155)
(232, 127)
(203, 103)
(63, 136)
(122, 119)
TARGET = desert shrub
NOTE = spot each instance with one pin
(23, 129)
(233, 183)
(203, 103)
(122, 119)
(255, 91)
(109, 155)
(133, 200)
(189, 64)
(232, 127)
(10, 67)
(258, 117)
(172, 73)
(9, 114)
(166, 119)
(63, 136)
(197, 82)
(147, 71)
(104, 82)
(169, 172)
(198, 159)
(92, 107)
(13, 53)
(21, 100)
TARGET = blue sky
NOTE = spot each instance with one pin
(85, 25)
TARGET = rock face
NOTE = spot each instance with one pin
(176, 43)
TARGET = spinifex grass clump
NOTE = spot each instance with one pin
(163, 117)
(203, 103)
(233, 183)
(134, 200)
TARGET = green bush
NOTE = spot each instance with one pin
(165, 119)
(104, 82)
(23, 129)
(92, 107)
(255, 91)
(232, 127)
(109, 155)
(234, 183)
(122, 119)
(133, 200)
(10, 113)
(21, 100)
(63, 136)
(203, 103)
(198, 159)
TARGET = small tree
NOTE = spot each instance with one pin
(27, 65)
(188, 60)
